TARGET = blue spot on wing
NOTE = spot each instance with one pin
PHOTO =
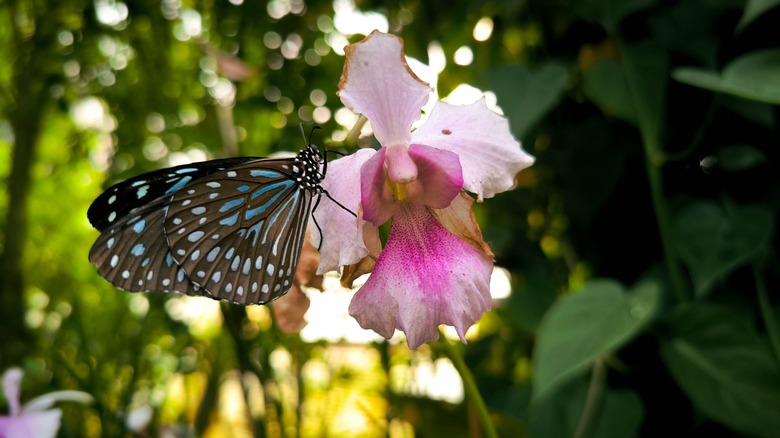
(255, 211)
(230, 221)
(183, 182)
(288, 206)
(255, 229)
(138, 250)
(139, 226)
(286, 184)
(266, 173)
(231, 205)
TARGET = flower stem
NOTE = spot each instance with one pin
(646, 69)
(665, 226)
(469, 386)
(593, 400)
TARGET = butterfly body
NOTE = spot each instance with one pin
(229, 229)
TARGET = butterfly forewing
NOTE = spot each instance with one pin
(238, 233)
(133, 254)
(119, 200)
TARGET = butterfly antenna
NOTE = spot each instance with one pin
(311, 133)
(303, 133)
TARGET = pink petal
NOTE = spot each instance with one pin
(490, 156)
(36, 424)
(439, 180)
(12, 381)
(377, 83)
(342, 243)
(439, 177)
(425, 277)
(377, 198)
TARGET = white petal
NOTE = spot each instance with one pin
(488, 153)
(377, 83)
(342, 242)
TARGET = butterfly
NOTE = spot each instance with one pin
(230, 229)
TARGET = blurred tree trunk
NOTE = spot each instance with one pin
(24, 112)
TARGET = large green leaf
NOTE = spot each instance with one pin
(633, 89)
(645, 65)
(713, 242)
(719, 361)
(605, 85)
(620, 413)
(527, 95)
(609, 12)
(583, 326)
(755, 76)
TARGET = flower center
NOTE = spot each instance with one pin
(398, 190)
(400, 167)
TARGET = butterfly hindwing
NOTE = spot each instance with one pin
(238, 233)
(133, 254)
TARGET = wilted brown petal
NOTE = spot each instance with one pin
(459, 220)
(371, 238)
(290, 309)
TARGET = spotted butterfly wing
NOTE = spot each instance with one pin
(228, 229)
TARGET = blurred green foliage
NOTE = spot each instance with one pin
(642, 243)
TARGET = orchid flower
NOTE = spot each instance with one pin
(35, 419)
(435, 268)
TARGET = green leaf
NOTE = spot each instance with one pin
(735, 158)
(633, 89)
(754, 76)
(722, 365)
(610, 12)
(753, 10)
(605, 85)
(583, 326)
(713, 242)
(526, 95)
